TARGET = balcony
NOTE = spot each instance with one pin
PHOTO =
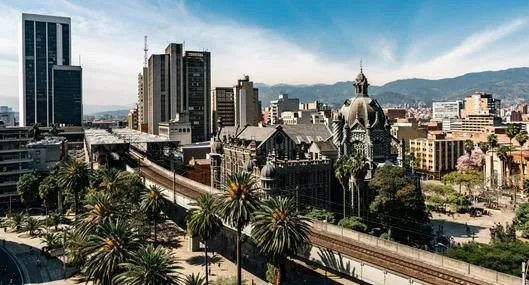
(16, 171)
(14, 161)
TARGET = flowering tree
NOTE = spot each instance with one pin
(473, 161)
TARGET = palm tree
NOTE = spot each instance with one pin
(195, 279)
(236, 206)
(342, 173)
(503, 155)
(32, 225)
(51, 241)
(48, 190)
(106, 249)
(203, 222)
(17, 221)
(54, 129)
(75, 178)
(358, 172)
(469, 146)
(99, 208)
(153, 204)
(511, 131)
(35, 131)
(521, 138)
(149, 265)
(492, 140)
(279, 231)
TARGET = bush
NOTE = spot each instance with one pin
(227, 281)
(353, 223)
(322, 215)
(458, 202)
(503, 257)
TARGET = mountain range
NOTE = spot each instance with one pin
(510, 85)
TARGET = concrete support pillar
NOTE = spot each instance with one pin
(194, 244)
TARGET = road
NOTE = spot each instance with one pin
(8, 269)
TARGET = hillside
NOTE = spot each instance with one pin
(508, 85)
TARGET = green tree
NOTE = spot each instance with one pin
(484, 147)
(492, 140)
(149, 265)
(107, 248)
(454, 177)
(358, 170)
(28, 188)
(521, 138)
(469, 146)
(193, 279)
(511, 131)
(236, 206)
(99, 208)
(353, 223)
(458, 201)
(343, 174)
(153, 204)
(322, 215)
(51, 241)
(202, 221)
(399, 205)
(17, 221)
(35, 131)
(48, 191)
(32, 225)
(279, 231)
(500, 234)
(54, 130)
(75, 179)
(503, 155)
(521, 218)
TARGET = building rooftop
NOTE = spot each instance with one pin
(98, 136)
(133, 136)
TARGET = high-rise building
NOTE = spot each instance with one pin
(178, 82)
(158, 108)
(436, 155)
(446, 110)
(45, 41)
(8, 117)
(67, 95)
(142, 100)
(247, 110)
(280, 105)
(481, 103)
(223, 107)
(197, 82)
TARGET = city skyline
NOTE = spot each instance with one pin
(280, 42)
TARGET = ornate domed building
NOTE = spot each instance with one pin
(360, 127)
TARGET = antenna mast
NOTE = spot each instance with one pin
(146, 51)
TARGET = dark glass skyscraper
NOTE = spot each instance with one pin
(45, 41)
(67, 95)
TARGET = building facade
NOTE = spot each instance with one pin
(446, 110)
(282, 104)
(67, 95)
(142, 100)
(177, 129)
(278, 158)
(132, 118)
(8, 117)
(247, 107)
(197, 82)
(436, 155)
(481, 103)
(158, 100)
(15, 159)
(222, 107)
(45, 41)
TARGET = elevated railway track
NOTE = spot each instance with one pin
(402, 265)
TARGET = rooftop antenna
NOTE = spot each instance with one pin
(146, 51)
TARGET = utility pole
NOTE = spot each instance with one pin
(524, 273)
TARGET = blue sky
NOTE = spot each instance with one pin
(299, 42)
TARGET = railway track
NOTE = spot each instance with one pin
(387, 260)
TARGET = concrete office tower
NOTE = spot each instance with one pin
(178, 102)
(142, 100)
(223, 107)
(197, 82)
(158, 108)
(44, 41)
(247, 111)
(446, 110)
(281, 105)
(67, 95)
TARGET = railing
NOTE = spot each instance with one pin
(427, 257)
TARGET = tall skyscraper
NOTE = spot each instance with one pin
(45, 42)
(158, 90)
(67, 95)
(222, 107)
(178, 83)
(247, 110)
(197, 82)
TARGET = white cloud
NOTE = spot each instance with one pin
(109, 38)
